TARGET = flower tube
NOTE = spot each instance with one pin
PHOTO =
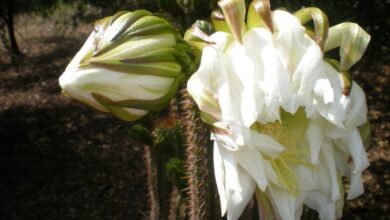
(285, 120)
(132, 63)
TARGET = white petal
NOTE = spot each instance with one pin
(336, 110)
(356, 186)
(229, 95)
(225, 142)
(271, 174)
(232, 177)
(321, 203)
(266, 144)
(290, 39)
(239, 200)
(88, 47)
(239, 185)
(308, 70)
(273, 79)
(360, 162)
(286, 204)
(243, 67)
(323, 88)
(116, 86)
(330, 164)
(205, 100)
(306, 178)
(341, 162)
(219, 172)
(292, 104)
(206, 70)
(209, 69)
(358, 113)
(314, 137)
(357, 151)
(251, 161)
(333, 131)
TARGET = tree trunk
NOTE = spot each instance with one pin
(8, 18)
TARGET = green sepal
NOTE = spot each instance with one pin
(234, 13)
(260, 15)
(150, 25)
(205, 26)
(138, 23)
(158, 55)
(163, 69)
(365, 133)
(163, 28)
(128, 17)
(344, 75)
(101, 25)
(115, 110)
(351, 39)
(208, 118)
(219, 22)
(197, 36)
(116, 16)
(184, 57)
(320, 20)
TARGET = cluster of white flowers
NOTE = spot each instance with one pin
(285, 121)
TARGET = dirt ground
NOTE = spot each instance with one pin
(61, 160)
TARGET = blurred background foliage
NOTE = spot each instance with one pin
(371, 15)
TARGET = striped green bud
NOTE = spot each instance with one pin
(132, 63)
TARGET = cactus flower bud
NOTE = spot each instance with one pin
(132, 63)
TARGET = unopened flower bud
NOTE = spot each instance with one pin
(132, 63)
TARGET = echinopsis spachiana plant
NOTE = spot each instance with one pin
(132, 63)
(287, 122)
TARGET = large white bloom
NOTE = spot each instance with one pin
(130, 64)
(285, 121)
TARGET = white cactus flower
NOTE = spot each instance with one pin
(131, 63)
(285, 120)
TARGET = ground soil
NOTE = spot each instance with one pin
(61, 160)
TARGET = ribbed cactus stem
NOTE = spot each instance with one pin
(163, 126)
(177, 206)
(151, 175)
(200, 179)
